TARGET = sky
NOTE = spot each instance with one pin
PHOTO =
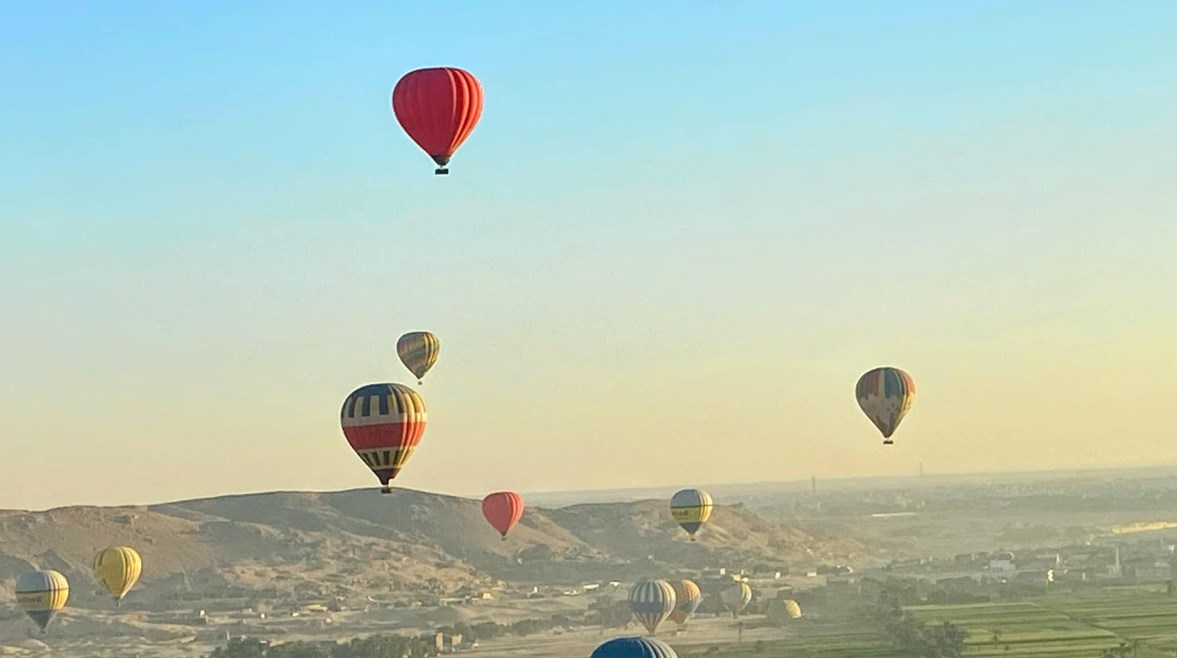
(677, 236)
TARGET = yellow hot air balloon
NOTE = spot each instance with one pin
(691, 508)
(41, 594)
(687, 597)
(736, 598)
(118, 568)
(885, 396)
(793, 608)
(418, 350)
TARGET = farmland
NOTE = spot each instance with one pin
(1070, 625)
(1074, 624)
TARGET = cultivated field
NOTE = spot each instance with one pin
(1070, 625)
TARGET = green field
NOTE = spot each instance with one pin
(1074, 625)
(1080, 624)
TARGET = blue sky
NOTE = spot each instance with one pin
(677, 226)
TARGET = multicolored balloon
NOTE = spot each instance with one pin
(634, 647)
(652, 601)
(691, 508)
(418, 350)
(41, 594)
(438, 108)
(383, 423)
(737, 597)
(502, 510)
(687, 596)
(885, 396)
(117, 569)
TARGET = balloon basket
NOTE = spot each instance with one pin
(386, 490)
(888, 442)
(441, 171)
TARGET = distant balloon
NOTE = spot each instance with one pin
(885, 395)
(438, 108)
(418, 350)
(737, 597)
(793, 608)
(383, 423)
(691, 508)
(634, 647)
(117, 569)
(687, 597)
(502, 510)
(41, 594)
(652, 602)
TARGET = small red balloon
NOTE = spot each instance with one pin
(503, 509)
(438, 108)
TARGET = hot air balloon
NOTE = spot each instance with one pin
(687, 597)
(691, 508)
(41, 594)
(634, 647)
(736, 598)
(117, 569)
(502, 510)
(383, 423)
(793, 608)
(885, 395)
(438, 108)
(418, 350)
(651, 601)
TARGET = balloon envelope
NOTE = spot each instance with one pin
(737, 597)
(634, 647)
(418, 350)
(793, 608)
(117, 569)
(41, 594)
(502, 510)
(652, 602)
(885, 395)
(691, 508)
(383, 423)
(438, 108)
(687, 597)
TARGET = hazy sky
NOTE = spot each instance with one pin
(679, 234)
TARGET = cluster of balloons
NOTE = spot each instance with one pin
(439, 108)
(385, 422)
(41, 594)
(654, 601)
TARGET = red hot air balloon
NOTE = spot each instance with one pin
(383, 423)
(438, 108)
(503, 509)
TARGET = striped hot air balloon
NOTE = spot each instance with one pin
(634, 647)
(687, 597)
(41, 594)
(691, 508)
(885, 396)
(736, 598)
(117, 569)
(418, 350)
(651, 602)
(383, 423)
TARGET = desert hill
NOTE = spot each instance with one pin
(360, 545)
